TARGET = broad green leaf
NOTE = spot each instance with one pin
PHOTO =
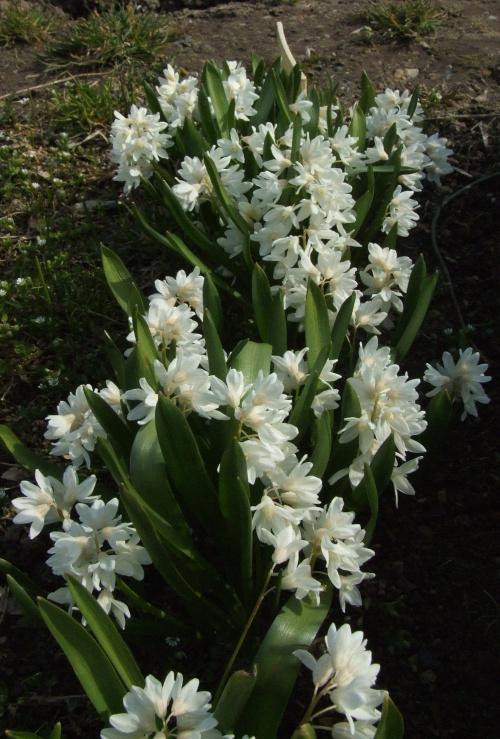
(265, 105)
(415, 308)
(116, 360)
(296, 138)
(316, 322)
(106, 634)
(342, 454)
(236, 693)
(369, 488)
(282, 102)
(23, 580)
(56, 732)
(152, 100)
(212, 81)
(21, 734)
(278, 325)
(363, 204)
(381, 468)
(119, 279)
(192, 138)
(91, 666)
(224, 197)
(215, 352)
(111, 422)
(209, 126)
(301, 414)
(250, 358)
(438, 414)
(341, 325)
(358, 128)
(367, 100)
(323, 445)
(211, 302)
(191, 485)
(390, 139)
(391, 238)
(391, 725)
(261, 300)
(234, 501)
(295, 627)
(24, 601)
(413, 102)
(201, 610)
(25, 457)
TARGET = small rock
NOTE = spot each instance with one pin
(412, 72)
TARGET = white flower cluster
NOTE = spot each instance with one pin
(137, 140)
(289, 513)
(74, 429)
(298, 212)
(164, 710)
(345, 674)
(93, 550)
(463, 379)
(388, 406)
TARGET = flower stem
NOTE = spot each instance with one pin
(242, 638)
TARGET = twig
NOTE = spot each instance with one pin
(52, 82)
(463, 115)
(439, 256)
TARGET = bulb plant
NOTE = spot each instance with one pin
(247, 473)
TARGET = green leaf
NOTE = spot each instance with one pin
(106, 634)
(281, 100)
(265, 104)
(234, 501)
(391, 725)
(116, 360)
(413, 102)
(21, 734)
(367, 100)
(381, 468)
(295, 627)
(358, 127)
(278, 325)
(342, 454)
(211, 302)
(317, 325)
(341, 325)
(24, 601)
(152, 100)
(236, 693)
(390, 139)
(301, 415)
(419, 294)
(363, 204)
(312, 126)
(209, 126)
(111, 422)
(91, 666)
(322, 446)
(250, 358)
(212, 81)
(224, 197)
(25, 457)
(215, 352)
(192, 138)
(296, 137)
(438, 414)
(23, 580)
(119, 280)
(191, 484)
(56, 732)
(261, 300)
(369, 488)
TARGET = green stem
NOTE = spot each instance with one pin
(242, 638)
(44, 284)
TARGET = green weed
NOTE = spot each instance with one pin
(405, 20)
(29, 24)
(108, 39)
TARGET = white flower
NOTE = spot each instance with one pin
(164, 710)
(464, 379)
(347, 672)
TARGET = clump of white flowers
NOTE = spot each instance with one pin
(463, 379)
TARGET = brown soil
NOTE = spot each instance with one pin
(433, 613)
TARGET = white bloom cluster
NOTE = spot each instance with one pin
(137, 140)
(178, 98)
(345, 674)
(388, 406)
(94, 551)
(164, 710)
(463, 379)
(75, 429)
